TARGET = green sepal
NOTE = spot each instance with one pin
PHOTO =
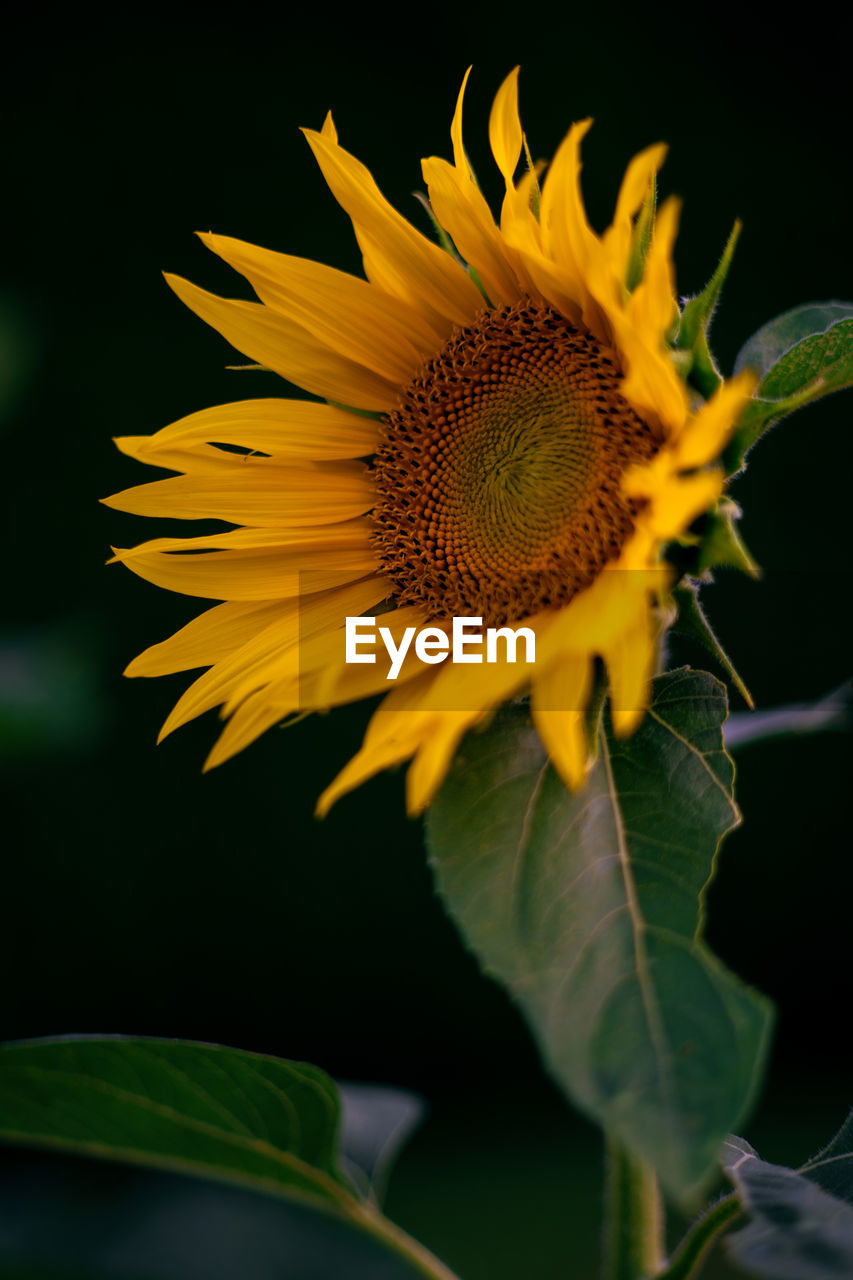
(696, 323)
(722, 543)
(641, 237)
(472, 272)
(802, 355)
(692, 621)
(447, 244)
(440, 234)
(714, 542)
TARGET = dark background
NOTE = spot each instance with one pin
(143, 897)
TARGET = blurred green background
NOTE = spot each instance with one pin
(143, 897)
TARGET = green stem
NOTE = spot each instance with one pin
(394, 1238)
(694, 1248)
(633, 1217)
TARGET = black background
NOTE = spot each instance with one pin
(143, 897)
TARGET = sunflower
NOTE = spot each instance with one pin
(500, 430)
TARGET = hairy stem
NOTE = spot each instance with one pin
(694, 1248)
(633, 1217)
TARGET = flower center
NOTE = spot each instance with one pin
(498, 478)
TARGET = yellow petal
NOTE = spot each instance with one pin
(206, 639)
(678, 505)
(708, 431)
(519, 225)
(652, 385)
(639, 176)
(272, 497)
(288, 349)
(363, 765)
(393, 734)
(630, 662)
(463, 212)
(566, 234)
(269, 706)
(252, 572)
(297, 429)
(200, 459)
(329, 680)
(479, 686)
(263, 654)
(329, 131)
(652, 305)
(348, 535)
(558, 701)
(412, 266)
(247, 724)
(594, 619)
(554, 284)
(324, 678)
(459, 157)
(505, 135)
(350, 316)
(433, 757)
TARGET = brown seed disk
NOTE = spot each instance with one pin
(499, 477)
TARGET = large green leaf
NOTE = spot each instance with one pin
(800, 356)
(244, 1118)
(62, 1221)
(798, 1230)
(588, 907)
(175, 1104)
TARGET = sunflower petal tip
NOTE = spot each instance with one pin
(215, 758)
(324, 804)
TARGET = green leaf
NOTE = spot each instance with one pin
(798, 1231)
(62, 1221)
(802, 355)
(589, 907)
(764, 349)
(177, 1105)
(262, 1123)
